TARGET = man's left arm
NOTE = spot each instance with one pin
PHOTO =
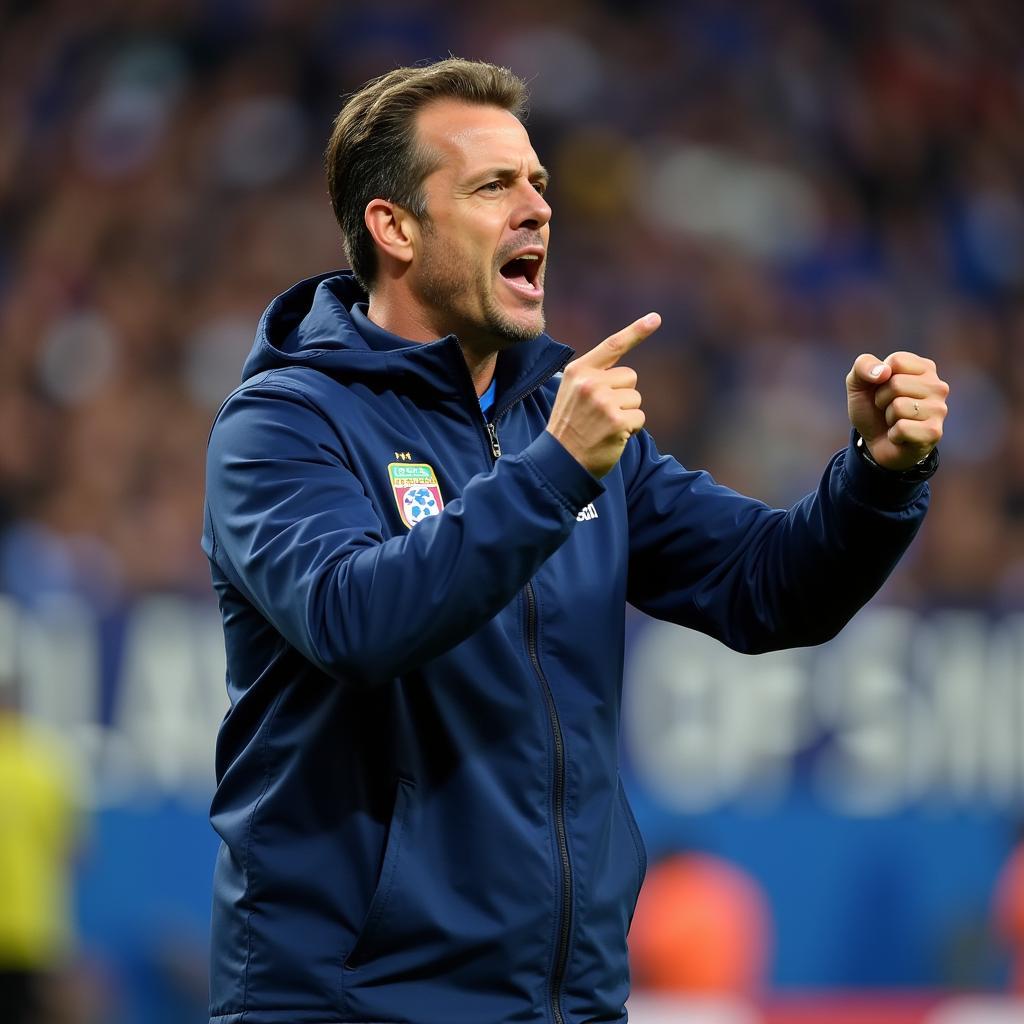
(761, 579)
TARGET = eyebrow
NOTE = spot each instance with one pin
(510, 174)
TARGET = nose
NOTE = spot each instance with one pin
(532, 211)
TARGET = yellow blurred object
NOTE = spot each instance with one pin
(38, 825)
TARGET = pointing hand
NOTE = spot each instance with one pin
(597, 408)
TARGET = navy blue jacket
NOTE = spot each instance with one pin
(417, 780)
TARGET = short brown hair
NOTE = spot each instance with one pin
(373, 152)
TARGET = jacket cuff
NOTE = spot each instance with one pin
(878, 487)
(562, 473)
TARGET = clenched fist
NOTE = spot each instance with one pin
(898, 406)
(597, 408)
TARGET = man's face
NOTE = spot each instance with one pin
(480, 263)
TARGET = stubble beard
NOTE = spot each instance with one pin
(444, 277)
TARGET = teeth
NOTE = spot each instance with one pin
(529, 256)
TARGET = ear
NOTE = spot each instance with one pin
(393, 228)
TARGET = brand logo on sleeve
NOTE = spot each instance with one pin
(585, 513)
(416, 490)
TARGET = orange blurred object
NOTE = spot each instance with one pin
(701, 925)
(1009, 914)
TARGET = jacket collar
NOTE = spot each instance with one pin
(312, 324)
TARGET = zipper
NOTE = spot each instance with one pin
(561, 960)
(492, 433)
(510, 400)
(558, 802)
(520, 396)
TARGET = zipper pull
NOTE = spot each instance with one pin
(492, 433)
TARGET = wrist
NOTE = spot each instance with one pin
(922, 470)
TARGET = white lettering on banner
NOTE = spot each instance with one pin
(9, 617)
(167, 709)
(862, 699)
(57, 654)
(168, 697)
(704, 725)
(900, 710)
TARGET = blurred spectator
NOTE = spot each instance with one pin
(38, 832)
(789, 183)
(701, 927)
(1008, 913)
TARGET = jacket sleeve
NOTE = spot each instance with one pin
(291, 527)
(759, 578)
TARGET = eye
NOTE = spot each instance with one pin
(492, 186)
(540, 186)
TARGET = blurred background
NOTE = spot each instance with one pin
(832, 833)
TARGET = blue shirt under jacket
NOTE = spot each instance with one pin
(417, 779)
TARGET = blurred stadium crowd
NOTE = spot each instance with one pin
(788, 183)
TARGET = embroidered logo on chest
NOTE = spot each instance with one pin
(416, 491)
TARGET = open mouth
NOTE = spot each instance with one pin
(522, 272)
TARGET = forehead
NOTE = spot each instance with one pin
(468, 135)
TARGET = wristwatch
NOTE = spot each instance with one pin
(914, 474)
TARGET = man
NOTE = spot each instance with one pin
(423, 541)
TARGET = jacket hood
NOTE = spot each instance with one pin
(311, 325)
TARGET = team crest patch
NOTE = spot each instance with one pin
(416, 491)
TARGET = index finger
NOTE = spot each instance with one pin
(613, 348)
(908, 362)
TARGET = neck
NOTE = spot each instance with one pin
(481, 369)
(401, 318)
(406, 321)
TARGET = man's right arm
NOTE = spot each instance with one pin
(292, 527)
